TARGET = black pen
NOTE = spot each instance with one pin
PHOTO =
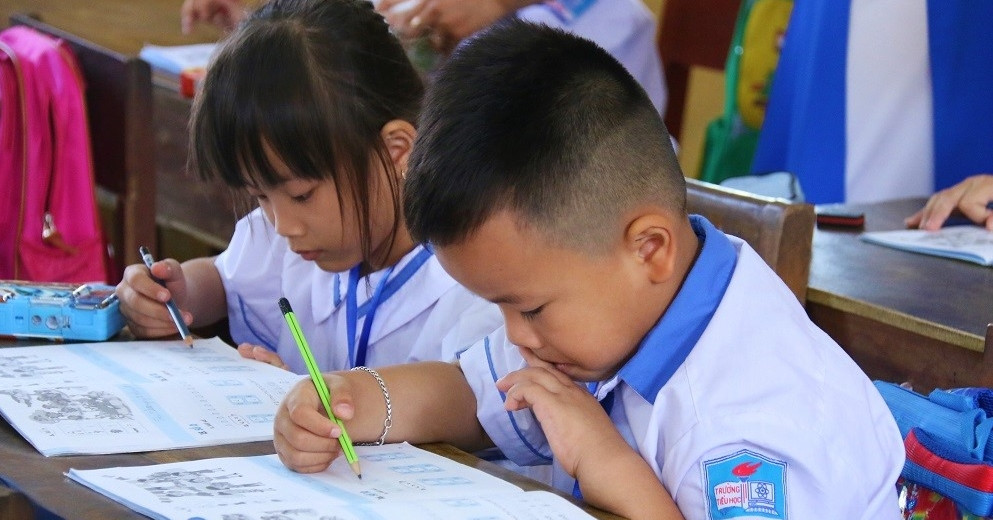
(177, 317)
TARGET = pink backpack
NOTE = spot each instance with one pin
(49, 225)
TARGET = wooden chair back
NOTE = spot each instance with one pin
(780, 232)
(692, 33)
(119, 109)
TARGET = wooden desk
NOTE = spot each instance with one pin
(902, 316)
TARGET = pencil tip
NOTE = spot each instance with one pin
(189, 341)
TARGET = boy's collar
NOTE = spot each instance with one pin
(670, 341)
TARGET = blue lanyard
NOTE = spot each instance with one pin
(384, 289)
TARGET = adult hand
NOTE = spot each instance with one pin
(223, 13)
(970, 197)
(446, 22)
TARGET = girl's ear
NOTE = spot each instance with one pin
(399, 138)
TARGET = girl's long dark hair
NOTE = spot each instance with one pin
(314, 81)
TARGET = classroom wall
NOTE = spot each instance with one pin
(704, 102)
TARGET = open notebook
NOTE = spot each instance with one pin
(121, 397)
(970, 243)
(398, 481)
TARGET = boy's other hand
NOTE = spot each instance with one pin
(576, 426)
(143, 299)
(306, 440)
(260, 353)
(611, 474)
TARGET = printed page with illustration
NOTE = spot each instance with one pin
(123, 397)
(398, 481)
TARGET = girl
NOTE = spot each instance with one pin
(308, 109)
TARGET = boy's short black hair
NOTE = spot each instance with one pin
(545, 124)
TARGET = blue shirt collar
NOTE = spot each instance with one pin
(670, 341)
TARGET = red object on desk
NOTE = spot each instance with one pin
(189, 81)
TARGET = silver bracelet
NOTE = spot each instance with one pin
(389, 408)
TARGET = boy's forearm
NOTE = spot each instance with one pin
(431, 402)
(624, 484)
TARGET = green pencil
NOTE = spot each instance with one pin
(322, 388)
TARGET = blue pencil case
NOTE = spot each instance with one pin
(87, 312)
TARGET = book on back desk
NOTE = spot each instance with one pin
(969, 243)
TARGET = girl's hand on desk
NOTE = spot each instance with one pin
(306, 440)
(260, 353)
(143, 299)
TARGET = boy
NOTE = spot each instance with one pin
(545, 180)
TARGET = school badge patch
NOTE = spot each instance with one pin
(745, 484)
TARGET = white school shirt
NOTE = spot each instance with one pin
(624, 28)
(740, 384)
(430, 317)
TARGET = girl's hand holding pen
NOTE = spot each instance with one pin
(306, 440)
(142, 299)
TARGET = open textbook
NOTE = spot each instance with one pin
(120, 397)
(970, 243)
(398, 481)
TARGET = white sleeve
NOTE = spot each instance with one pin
(251, 272)
(474, 319)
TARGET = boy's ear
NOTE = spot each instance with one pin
(399, 138)
(650, 238)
